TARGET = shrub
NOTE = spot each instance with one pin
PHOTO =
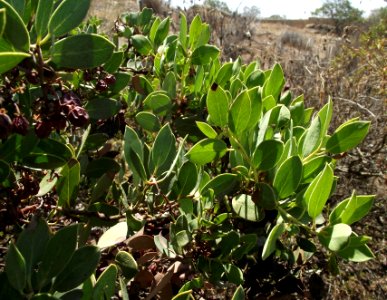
(200, 163)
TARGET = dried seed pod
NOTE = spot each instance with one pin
(43, 128)
(70, 98)
(78, 116)
(20, 125)
(101, 85)
(59, 121)
(32, 77)
(110, 79)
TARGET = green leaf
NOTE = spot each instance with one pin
(352, 209)
(133, 151)
(224, 74)
(3, 21)
(183, 30)
(194, 31)
(267, 198)
(96, 141)
(245, 208)
(267, 154)
(68, 183)
(207, 130)
(159, 103)
(312, 138)
(106, 283)
(221, 184)
(187, 178)
(335, 237)
(234, 274)
(164, 149)
(182, 238)
(288, 177)
(9, 60)
(142, 44)
(42, 17)
(114, 235)
(256, 78)
(48, 154)
(271, 241)
(57, 254)
(102, 108)
(347, 136)
(164, 246)
(81, 51)
(4, 170)
(313, 167)
(15, 31)
(325, 115)
(32, 243)
(357, 250)
(97, 167)
(127, 264)
(204, 54)
(162, 32)
(206, 151)
(273, 85)
(239, 294)
(102, 186)
(122, 82)
(317, 193)
(148, 121)
(217, 105)
(114, 62)
(67, 16)
(240, 111)
(81, 266)
(15, 268)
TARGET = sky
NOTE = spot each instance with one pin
(291, 9)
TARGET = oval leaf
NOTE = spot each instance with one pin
(15, 268)
(67, 16)
(288, 177)
(244, 207)
(347, 136)
(82, 264)
(81, 51)
(113, 236)
(217, 105)
(335, 237)
(221, 184)
(206, 151)
(127, 264)
(15, 31)
(317, 193)
(8, 60)
(267, 154)
(102, 108)
(270, 243)
(204, 54)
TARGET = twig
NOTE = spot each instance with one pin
(74, 212)
(361, 107)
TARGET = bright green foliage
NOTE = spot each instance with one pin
(154, 127)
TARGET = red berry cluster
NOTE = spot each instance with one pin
(103, 79)
(57, 113)
(19, 124)
(27, 186)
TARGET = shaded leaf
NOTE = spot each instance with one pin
(270, 243)
(244, 207)
(206, 151)
(81, 51)
(67, 16)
